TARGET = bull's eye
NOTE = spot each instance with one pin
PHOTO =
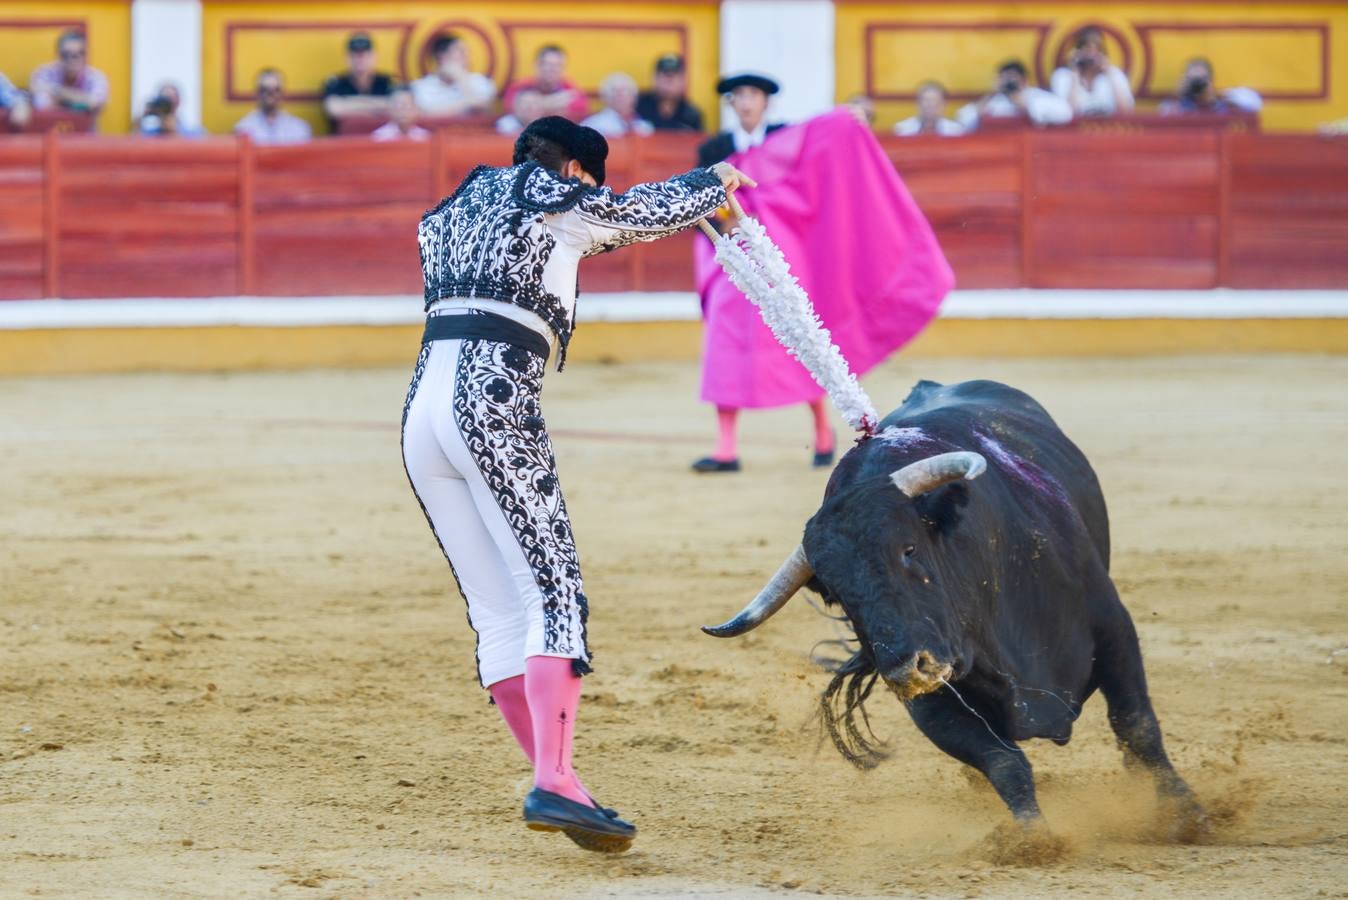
(909, 550)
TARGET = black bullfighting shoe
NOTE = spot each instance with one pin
(711, 464)
(587, 826)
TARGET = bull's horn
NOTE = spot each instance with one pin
(927, 474)
(790, 578)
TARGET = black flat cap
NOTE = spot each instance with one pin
(359, 43)
(669, 63)
(747, 79)
(583, 144)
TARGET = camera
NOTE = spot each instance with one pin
(1196, 88)
(1010, 86)
(159, 106)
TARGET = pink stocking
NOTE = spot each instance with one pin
(823, 431)
(727, 443)
(514, 707)
(553, 690)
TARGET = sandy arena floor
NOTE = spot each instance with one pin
(232, 662)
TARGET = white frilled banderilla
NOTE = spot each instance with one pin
(756, 266)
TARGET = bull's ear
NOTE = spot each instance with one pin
(928, 474)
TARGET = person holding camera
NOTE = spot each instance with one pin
(1092, 85)
(1198, 94)
(162, 117)
(1014, 98)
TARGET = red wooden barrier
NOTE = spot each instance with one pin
(339, 216)
(1288, 211)
(84, 216)
(971, 191)
(22, 226)
(1123, 210)
(146, 217)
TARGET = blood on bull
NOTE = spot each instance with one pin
(967, 544)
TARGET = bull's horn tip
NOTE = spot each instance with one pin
(978, 468)
(714, 630)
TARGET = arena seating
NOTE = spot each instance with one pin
(89, 216)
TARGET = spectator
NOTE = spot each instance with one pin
(619, 115)
(70, 82)
(452, 89)
(666, 105)
(748, 95)
(930, 118)
(1198, 94)
(863, 108)
(269, 124)
(360, 90)
(162, 118)
(1092, 86)
(1014, 98)
(528, 106)
(14, 103)
(558, 96)
(1338, 126)
(402, 124)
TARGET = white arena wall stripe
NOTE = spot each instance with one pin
(659, 307)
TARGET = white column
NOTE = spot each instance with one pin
(789, 40)
(166, 46)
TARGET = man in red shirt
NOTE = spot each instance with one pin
(560, 96)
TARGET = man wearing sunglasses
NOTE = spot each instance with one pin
(70, 82)
(269, 124)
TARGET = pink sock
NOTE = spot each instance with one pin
(727, 444)
(514, 707)
(553, 690)
(823, 430)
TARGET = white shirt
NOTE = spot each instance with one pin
(390, 131)
(1096, 99)
(610, 123)
(282, 128)
(746, 139)
(435, 95)
(913, 126)
(1042, 107)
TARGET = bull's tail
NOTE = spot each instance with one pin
(840, 705)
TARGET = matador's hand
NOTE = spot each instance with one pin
(732, 178)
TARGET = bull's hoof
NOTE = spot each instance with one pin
(1183, 820)
(1025, 843)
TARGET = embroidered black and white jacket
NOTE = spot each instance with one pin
(517, 234)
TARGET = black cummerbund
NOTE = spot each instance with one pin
(479, 326)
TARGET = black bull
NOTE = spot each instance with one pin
(985, 605)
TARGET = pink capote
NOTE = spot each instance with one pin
(831, 200)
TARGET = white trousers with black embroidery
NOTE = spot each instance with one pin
(480, 462)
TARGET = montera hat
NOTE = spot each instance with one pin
(583, 144)
(747, 79)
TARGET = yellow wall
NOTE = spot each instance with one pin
(306, 41)
(28, 33)
(1295, 53)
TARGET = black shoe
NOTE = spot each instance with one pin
(711, 464)
(588, 827)
(824, 460)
